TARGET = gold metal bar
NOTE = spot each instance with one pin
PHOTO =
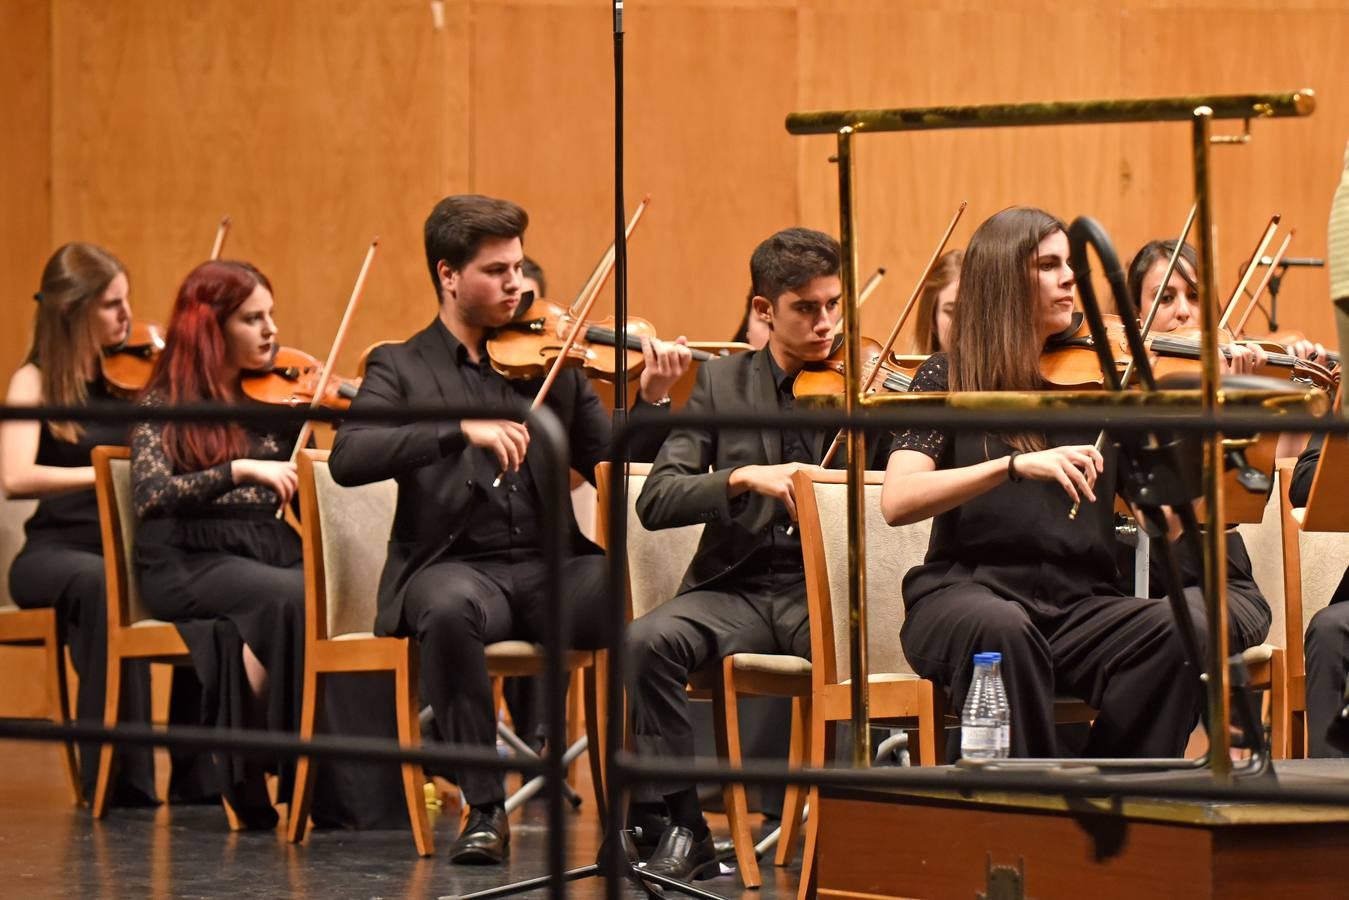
(1180, 403)
(852, 393)
(1215, 545)
(1076, 112)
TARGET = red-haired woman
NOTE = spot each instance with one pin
(82, 308)
(211, 554)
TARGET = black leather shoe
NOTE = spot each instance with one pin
(485, 840)
(679, 856)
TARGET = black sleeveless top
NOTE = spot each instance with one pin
(1016, 538)
(71, 518)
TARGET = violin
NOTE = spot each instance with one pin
(1070, 361)
(530, 345)
(127, 366)
(292, 380)
(825, 378)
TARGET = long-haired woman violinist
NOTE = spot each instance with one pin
(82, 308)
(1006, 569)
(211, 554)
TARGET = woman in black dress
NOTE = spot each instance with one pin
(213, 557)
(1006, 569)
(82, 308)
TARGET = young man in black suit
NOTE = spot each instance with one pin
(465, 568)
(744, 591)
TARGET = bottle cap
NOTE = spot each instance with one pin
(987, 659)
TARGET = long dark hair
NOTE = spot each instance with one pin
(995, 334)
(65, 334)
(189, 370)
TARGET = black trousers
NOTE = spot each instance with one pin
(1120, 654)
(70, 580)
(763, 614)
(1327, 656)
(455, 608)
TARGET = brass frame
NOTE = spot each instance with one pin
(1200, 112)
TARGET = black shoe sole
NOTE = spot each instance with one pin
(478, 857)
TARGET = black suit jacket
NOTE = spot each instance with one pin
(682, 491)
(431, 462)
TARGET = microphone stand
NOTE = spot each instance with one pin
(1275, 282)
(617, 840)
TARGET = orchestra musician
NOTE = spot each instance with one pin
(214, 558)
(83, 307)
(1006, 569)
(465, 568)
(744, 591)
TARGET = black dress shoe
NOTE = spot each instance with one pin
(485, 840)
(679, 855)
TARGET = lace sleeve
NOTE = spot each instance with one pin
(158, 492)
(931, 376)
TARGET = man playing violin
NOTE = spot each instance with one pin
(744, 591)
(465, 568)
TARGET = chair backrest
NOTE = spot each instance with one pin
(1264, 542)
(822, 507)
(117, 518)
(345, 532)
(657, 560)
(13, 513)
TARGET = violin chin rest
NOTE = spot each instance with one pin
(1190, 381)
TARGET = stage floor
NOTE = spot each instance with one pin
(50, 849)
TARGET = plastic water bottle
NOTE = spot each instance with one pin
(985, 731)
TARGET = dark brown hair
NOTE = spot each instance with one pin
(788, 261)
(926, 340)
(995, 339)
(1148, 256)
(65, 334)
(458, 225)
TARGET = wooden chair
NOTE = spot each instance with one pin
(132, 633)
(36, 628)
(1313, 564)
(1266, 663)
(896, 692)
(656, 564)
(344, 532)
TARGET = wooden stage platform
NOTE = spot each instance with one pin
(936, 844)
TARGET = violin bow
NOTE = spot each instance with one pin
(868, 289)
(1147, 326)
(872, 369)
(604, 268)
(585, 300)
(222, 231)
(1240, 328)
(326, 372)
(1260, 249)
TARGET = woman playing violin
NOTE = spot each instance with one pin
(83, 308)
(1006, 569)
(211, 555)
(937, 304)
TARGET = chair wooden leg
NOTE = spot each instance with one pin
(1278, 707)
(928, 725)
(596, 733)
(107, 760)
(726, 713)
(408, 705)
(575, 725)
(794, 803)
(301, 797)
(57, 694)
(821, 740)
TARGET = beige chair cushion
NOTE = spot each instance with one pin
(355, 523)
(657, 560)
(13, 513)
(770, 664)
(1264, 542)
(512, 649)
(1261, 653)
(890, 553)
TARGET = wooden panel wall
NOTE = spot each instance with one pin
(317, 124)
